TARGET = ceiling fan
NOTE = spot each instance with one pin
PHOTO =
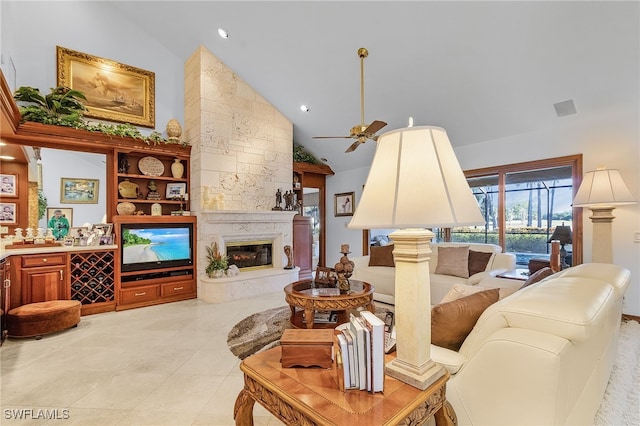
(360, 132)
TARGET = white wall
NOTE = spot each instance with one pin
(57, 164)
(30, 32)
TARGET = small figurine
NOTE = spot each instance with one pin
(278, 200)
(287, 251)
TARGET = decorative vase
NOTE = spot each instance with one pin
(126, 208)
(344, 269)
(218, 273)
(177, 168)
(174, 130)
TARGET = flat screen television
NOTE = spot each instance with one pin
(147, 246)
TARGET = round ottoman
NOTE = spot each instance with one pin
(36, 319)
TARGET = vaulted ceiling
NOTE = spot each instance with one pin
(482, 70)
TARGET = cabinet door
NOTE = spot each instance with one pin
(43, 284)
(302, 245)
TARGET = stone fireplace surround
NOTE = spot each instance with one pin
(224, 226)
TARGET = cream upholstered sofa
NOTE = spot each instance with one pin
(541, 356)
(383, 277)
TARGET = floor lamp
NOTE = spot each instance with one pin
(601, 191)
(415, 182)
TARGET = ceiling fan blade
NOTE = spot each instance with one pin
(354, 146)
(375, 126)
(331, 137)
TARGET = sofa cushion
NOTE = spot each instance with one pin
(478, 261)
(381, 256)
(452, 322)
(461, 290)
(453, 261)
(538, 275)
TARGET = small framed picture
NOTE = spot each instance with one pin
(8, 185)
(8, 213)
(65, 212)
(78, 231)
(103, 229)
(176, 190)
(79, 191)
(344, 204)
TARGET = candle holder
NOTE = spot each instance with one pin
(344, 270)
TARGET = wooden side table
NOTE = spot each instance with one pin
(311, 396)
(300, 294)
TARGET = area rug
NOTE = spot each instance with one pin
(263, 330)
(621, 403)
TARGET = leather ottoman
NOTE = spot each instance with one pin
(36, 319)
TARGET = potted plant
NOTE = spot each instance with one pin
(218, 263)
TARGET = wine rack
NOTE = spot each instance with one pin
(93, 278)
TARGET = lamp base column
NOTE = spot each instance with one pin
(602, 246)
(413, 364)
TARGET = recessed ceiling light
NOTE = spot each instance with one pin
(223, 33)
(304, 108)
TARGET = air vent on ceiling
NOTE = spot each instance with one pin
(565, 108)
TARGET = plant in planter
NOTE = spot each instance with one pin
(64, 107)
(218, 263)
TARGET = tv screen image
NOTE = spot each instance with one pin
(148, 247)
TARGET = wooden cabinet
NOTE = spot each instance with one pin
(302, 246)
(44, 277)
(93, 280)
(154, 285)
(307, 176)
(149, 178)
(5, 279)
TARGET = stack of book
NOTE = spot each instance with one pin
(361, 352)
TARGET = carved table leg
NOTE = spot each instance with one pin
(445, 416)
(308, 317)
(372, 307)
(243, 409)
(293, 313)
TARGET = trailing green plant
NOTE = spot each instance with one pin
(64, 107)
(216, 260)
(42, 204)
(302, 156)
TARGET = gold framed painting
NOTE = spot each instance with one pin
(79, 191)
(114, 91)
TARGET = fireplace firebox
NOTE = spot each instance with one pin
(248, 255)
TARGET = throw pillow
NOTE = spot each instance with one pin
(452, 322)
(478, 261)
(381, 256)
(538, 275)
(453, 261)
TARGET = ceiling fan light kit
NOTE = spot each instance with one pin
(360, 132)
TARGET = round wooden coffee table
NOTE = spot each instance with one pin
(305, 299)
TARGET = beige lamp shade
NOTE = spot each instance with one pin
(415, 181)
(601, 188)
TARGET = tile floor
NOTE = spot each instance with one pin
(160, 365)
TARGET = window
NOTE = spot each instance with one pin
(522, 204)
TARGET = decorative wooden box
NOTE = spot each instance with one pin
(307, 348)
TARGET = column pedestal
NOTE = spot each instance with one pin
(413, 364)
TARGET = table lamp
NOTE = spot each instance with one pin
(601, 191)
(563, 235)
(415, 182)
